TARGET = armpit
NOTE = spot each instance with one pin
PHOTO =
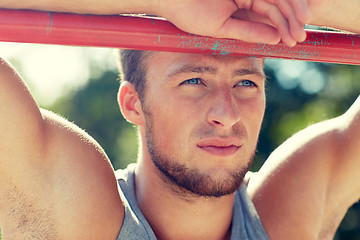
(25, 218)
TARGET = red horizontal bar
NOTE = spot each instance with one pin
(160, 35)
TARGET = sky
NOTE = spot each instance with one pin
(51, 70)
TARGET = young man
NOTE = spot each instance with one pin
(199, 118)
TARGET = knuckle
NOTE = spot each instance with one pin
(247, 4)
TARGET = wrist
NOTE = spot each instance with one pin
(337, 14)
(135, 6)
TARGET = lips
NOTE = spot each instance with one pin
(220, 147)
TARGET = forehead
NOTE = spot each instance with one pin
(168, 63)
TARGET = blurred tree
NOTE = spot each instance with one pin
(298, 94)
(94, 108)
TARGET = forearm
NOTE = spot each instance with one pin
(83, 6)
(337, 14)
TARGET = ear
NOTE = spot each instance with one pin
(130, 104)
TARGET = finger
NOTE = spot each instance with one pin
(274, 14)
(301, 10)
(246, 4)
(248, 15)
(300, 7)
(296, 27)
(248, 31)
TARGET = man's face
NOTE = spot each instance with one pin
(203, 116)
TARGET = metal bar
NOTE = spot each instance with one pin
(160, 35)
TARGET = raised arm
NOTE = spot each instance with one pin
(343, 15)
(345, 177)
(253, 21)
(267, 21)
(52, 174)
(311, 180)
(21, 123)
(84, 6)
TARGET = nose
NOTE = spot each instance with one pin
(224, 111)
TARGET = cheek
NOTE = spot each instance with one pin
(259, 108)
(179, 111)
(172, 123)
(253, 114)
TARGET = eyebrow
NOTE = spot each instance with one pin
(193, 69)
(248, 71)
(213, 70)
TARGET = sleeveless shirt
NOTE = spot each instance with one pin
(246, 224)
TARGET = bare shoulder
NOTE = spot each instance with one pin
(294, 191)
(71, 193)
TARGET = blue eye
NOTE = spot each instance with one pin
(192, 81)
(246, 83)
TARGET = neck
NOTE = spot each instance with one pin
(174, 216)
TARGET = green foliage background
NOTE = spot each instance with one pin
(289, 109)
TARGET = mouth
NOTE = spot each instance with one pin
(220, 151)
(220, 147)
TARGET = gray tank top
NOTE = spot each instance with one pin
(246, 224)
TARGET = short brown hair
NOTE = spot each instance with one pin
(132, 68)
